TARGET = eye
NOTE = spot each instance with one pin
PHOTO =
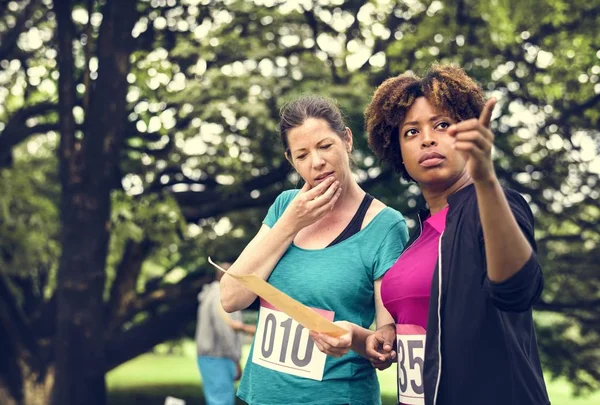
(411, 132)
(326, 146)
(442, 125)
(300, 157)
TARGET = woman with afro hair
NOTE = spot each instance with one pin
(462, 292)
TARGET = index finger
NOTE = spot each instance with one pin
(305, 187)
(373, 355)
(320, 188)
(486, 113)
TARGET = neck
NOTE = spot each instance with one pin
(351, 192)
(437, 197)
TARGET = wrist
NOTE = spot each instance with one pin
(490, 181)
(352, 330)
(288, 226)
(355, 343)
(390, 326)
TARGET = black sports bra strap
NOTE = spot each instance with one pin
(356, 222)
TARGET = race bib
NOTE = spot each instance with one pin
(283, 345)
(410, 342)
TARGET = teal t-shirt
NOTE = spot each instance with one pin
(339, 278)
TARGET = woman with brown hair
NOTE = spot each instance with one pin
(327, 245)
(461, 294)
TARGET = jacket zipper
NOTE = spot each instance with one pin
(439, 308)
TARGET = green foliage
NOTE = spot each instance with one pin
(146, 378)
(29, 219)
(202, 159)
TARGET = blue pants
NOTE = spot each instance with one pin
(217, 379)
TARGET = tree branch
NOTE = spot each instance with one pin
(66, 86)
(162, 325)
(143, 337)
(167, 294)
(123, 288)
(591, 305)
(176, 176)
(381, 44)
(228, 204)
(16, 131)
(559, 238)
(575, 109)
(312, 21)
(197, 205)
(8, 42)
(88, 53)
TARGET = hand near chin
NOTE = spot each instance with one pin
(312, 204)
(475, 140)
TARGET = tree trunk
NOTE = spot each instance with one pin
(88, 166)
(35, 389)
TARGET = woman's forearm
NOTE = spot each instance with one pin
(259, 258)
(506, 248)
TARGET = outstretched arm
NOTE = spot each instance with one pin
(506, 247)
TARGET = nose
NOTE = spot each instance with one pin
(317, 160)
(428, 138)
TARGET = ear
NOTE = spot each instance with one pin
(349, 141)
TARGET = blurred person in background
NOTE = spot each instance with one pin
(219, 345)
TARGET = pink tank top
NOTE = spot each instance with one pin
(406, 287)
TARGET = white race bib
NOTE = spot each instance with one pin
(283, 345)
(410, 345)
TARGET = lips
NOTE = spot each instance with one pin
(323, 176)
(431, 159)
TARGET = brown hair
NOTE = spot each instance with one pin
(448, 88)
(294, 113)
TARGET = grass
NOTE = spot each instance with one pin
(149, 378)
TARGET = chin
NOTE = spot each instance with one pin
(433, 177)
(438, 179)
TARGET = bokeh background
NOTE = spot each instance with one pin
(137, 137)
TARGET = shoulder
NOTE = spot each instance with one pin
(515, 197)
(379, 208)
(288, 195)
(279, 206)
(519, 207)
(284, 198)
(386, 217)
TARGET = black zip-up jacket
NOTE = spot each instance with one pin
(480, 346)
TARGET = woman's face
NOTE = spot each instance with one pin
(427, 149)
(317, 152)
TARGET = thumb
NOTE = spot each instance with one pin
(388, 343)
